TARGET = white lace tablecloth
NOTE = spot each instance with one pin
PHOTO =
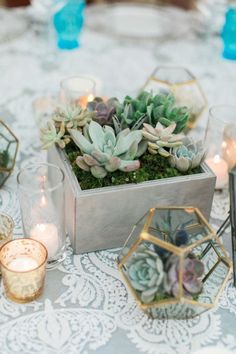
(85, 307)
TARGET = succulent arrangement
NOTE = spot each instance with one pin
(133, 137)
(156, 275)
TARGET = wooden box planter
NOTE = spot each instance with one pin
(102, 218)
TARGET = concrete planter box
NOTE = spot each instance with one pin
(103, 218)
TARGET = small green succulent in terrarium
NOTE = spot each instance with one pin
(146, 273)
(4, 158)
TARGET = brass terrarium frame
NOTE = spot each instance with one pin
(173, 87)
(181, 252)
(6, 171)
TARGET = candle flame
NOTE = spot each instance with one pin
(43, 201)
(216, 159)
(90, 97)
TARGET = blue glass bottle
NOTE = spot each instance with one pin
(68, 22)
(229, 34)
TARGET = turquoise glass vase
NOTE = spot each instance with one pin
(229, 34)
(68, 23)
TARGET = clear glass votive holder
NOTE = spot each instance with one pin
(220, 141)
(23, 269)
(41, 194)
(77, 90)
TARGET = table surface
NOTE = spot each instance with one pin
(85, 307)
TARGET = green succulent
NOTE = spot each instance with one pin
(103, 151)
(72, 116)
(193, 270)
(149, 108)
(4, 158)
(160, 138)
(145, 272)
(103, 110)
(63, 119)
(50, 135)
(187, 156)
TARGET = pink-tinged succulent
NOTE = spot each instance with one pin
(193, 270)
(103, 110)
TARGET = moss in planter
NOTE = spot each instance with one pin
(152, 167)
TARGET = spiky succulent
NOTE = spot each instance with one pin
(104, 110)
(145, 272)
(63, 119)
(187, 156)
(160, 138)
(193, 270)
(4, 158)
(151, 109)
(103, 151)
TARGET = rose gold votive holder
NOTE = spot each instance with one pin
(23, 264)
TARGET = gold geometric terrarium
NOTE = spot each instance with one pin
(185, 87)
(8, 151)
(174, 264)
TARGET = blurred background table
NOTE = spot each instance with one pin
(86, 307)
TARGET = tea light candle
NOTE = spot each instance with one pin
(220, 167)
(48, 235)
(22, 264)
(83, 100)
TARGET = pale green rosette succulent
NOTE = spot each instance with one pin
(145, 272)
(103, 151)
(160, 138)
(188, 156)
(63, 119)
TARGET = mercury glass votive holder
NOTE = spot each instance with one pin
(220, 141)
(77, 90)
(23, 269)
(6, 229)
(41, 195)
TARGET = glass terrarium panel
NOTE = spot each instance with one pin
(169, 224)
(173, 75)
(8, 148)
(3, 177)
(133, 236)
(175, 311)
(183, 85)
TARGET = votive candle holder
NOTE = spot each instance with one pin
(77, 90)
(23, 264)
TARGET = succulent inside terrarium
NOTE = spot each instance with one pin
(156, 275)
(4, 158)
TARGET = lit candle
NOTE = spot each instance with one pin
(220, 168)
(82, 101)
(22, 264)
(48, 235)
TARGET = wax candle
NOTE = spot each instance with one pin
(22, 264)
(48, 235)
(220, 167)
